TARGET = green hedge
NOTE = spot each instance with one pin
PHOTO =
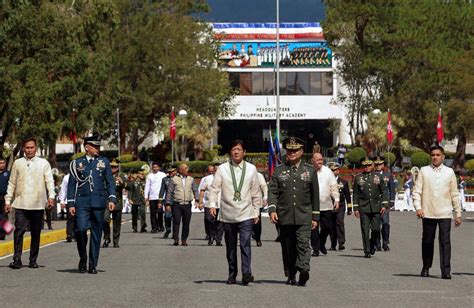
(469, 165)
(388, 156)
(77, 155)
(126, 158)
(420, 159)
(132, 166)
(355, 155)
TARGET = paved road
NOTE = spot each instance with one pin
(148, 271)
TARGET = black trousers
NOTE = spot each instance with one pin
(444, 237)
(257, 228)
(24, 219)
(168, 220)
(181, 212)
(160, 213)
(207, 221)
(338, 233)
(320, 235)
(70, 224)
(2, 215)
(116, 223)
(244, 230)
(154, 215)
(136, 210)
(216, 227)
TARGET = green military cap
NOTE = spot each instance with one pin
(115, 162)
(333, 166)
(366, 162)
(293, 143)
(379, 161)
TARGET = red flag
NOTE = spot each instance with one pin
(173, 126)
(439, 128)
(389, 129)
(73, 137)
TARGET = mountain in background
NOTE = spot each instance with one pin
(264, 11)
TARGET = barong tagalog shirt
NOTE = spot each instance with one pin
(236, 204)
(31, 184)
(436, 192)
(328, 189)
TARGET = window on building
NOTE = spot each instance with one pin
(234, 79)
(315, 84)
(257, 84)
(327, 84)
(291, 83)
(302, 83)
(268, 83)
(245, 83)
(283, 84)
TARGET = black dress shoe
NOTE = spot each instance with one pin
(367, 255)
(246, 279)
(16, 264)
(333, 248)
(134, 230)
(82, 268)
(378, 249)
(218, 244)
(207, 237)
(231, 280)
(166, 235)
(259, 243)
(386, 248)
(106, 244)
(143, 230)
(342, 247)
(210, 242)
(445, 276)
(154, 231)
(315, 254)
(176, 243)
(304, 277)
(68, 238)
(372, 251)
(33, 265)
(92, 270)
(291, 281)
(425, 272)
(116, 245)
(184, 243)
(323, 250)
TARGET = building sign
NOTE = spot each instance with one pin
(270, 113)
(264, 54)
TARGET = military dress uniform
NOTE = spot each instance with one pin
(136, 197)
(293, 193)
(338, 233)
(4, 177)
(91, 186)
(168, 217)
(385, 218)
(116, 213)
(369, 198)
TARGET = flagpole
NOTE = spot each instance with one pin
(118, 133)
(172, 142)
(389, 146)
(278, 69)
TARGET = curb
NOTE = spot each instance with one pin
(46, 238)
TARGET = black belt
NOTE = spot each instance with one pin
(185, 203)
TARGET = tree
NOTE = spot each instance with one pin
(164, 58)
(403, 52)
(53, 62)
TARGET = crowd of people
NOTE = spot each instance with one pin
(306, 202)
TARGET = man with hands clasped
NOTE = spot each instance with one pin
(435, 196)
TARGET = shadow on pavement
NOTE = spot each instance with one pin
(461, 274)
(211, 281)
(351, 256)
(75, 271)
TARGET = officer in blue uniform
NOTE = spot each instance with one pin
(4, 177)
(91, 188)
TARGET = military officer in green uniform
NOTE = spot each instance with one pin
(293, 198)
(370, 202)
(117, 212)
(136, 196)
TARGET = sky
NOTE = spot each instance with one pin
(264, 11)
